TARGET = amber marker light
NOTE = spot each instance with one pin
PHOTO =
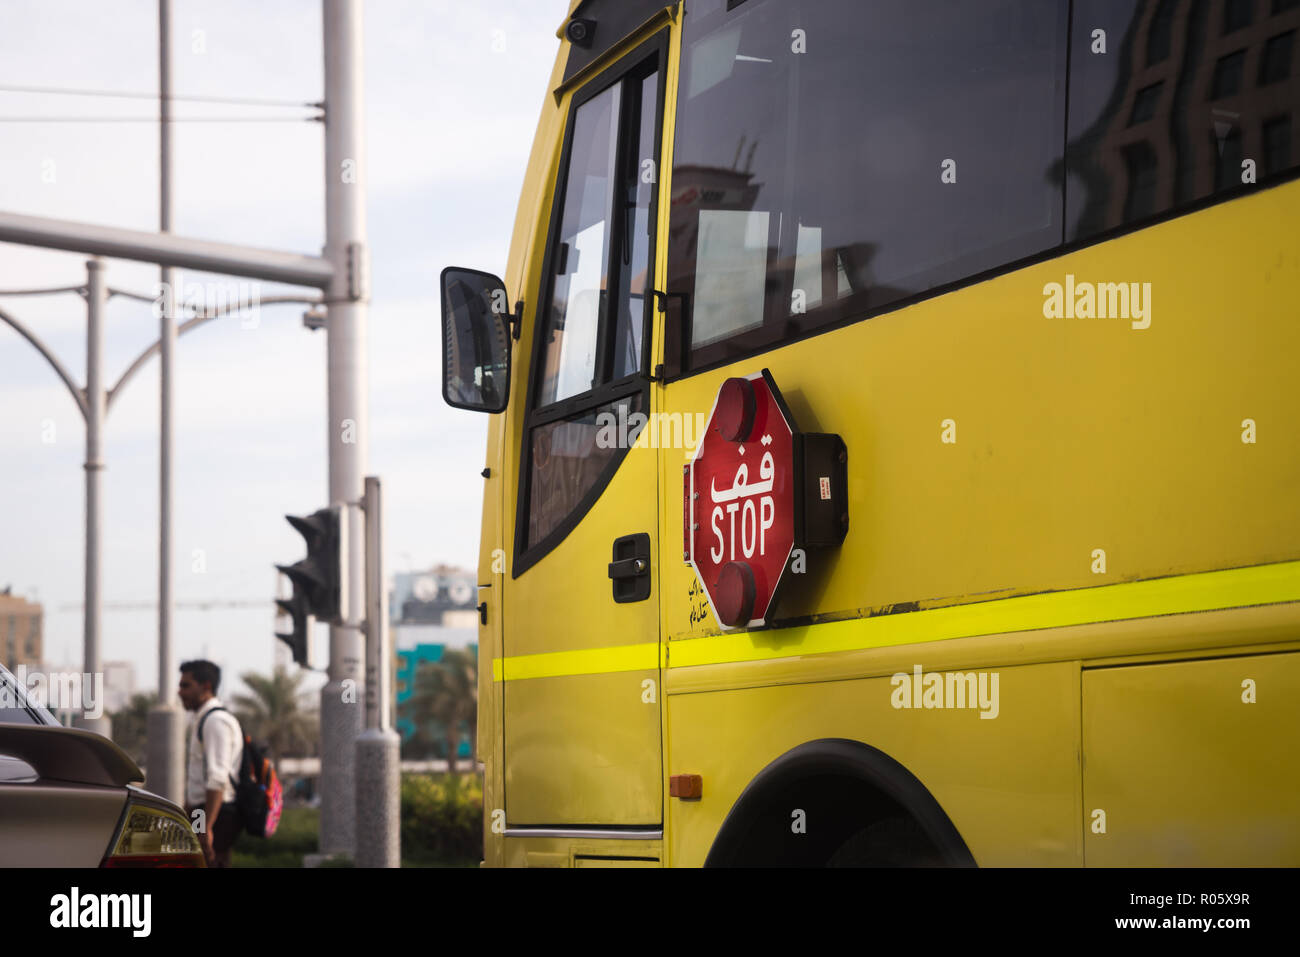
(685, 786)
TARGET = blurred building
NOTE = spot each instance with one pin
(20, 631)
(431, 612)
(408, 662)
(439, 606)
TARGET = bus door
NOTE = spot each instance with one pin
(580, 668)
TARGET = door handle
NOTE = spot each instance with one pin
(629, 568)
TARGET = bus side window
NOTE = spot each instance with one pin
(1180, 110)
(836, 159)
(831, 159)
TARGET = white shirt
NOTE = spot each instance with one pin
(211, 765)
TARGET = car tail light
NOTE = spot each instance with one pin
(154, 837)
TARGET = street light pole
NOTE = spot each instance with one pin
(342, 698)
(165, 771)
(96, 303)
(93, 403)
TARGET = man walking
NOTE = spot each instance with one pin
(214, 752)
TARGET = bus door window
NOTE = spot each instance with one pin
(640, 176)
(582, 254)
(591, 352)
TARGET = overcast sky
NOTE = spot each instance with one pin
(453, 93)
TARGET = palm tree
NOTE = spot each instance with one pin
(275, 713)
(130, 726)
(446, 692)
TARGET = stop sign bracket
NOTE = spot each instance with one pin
(821, 490)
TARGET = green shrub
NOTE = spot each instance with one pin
(442, 819)
(295, 837)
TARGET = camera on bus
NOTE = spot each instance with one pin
(580, 31)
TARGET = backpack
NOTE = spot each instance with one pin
(259, 798)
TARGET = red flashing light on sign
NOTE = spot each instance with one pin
(735, 410)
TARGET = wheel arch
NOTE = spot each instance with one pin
(869, 784)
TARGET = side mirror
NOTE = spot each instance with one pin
(475, 340)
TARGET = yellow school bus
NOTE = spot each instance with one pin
(1029, 270)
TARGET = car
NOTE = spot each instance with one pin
(72, 798)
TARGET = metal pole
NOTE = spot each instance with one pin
(348, 425)
(96, 302)
(165, 772)
(200, 254)
(378, 747)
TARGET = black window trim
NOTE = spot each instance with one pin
(654, 48)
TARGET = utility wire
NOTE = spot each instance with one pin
(154, 119)
(198, 603)
(132, 95)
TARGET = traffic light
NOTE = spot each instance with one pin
(296, 608)
(315, 579)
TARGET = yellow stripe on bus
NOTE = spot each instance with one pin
(1204, 591)
(589, 661)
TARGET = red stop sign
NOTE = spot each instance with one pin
(739, 507)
